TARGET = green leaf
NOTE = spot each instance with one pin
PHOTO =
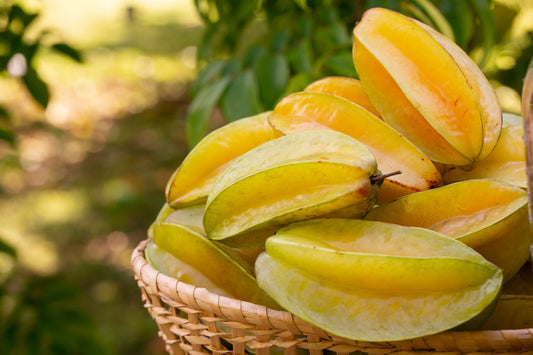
(17, 13)
(201, 108)
(433, 12)
(29, 52)
(205, 47)
(232, 67)
(304, 28)
(341, 64)
(488, 27)
(203, 7)
(414, 11)
(459, 15)
(252, 55)
(208, 75)
(7, 135)
(3, 112)
(302, 4)
(273, 74)
(241, 99)
(7, 249)
(243, 10)
(329, 38)
(301, 56)
(298, 83)
(36, 86)
(278, 41)
(67, 50)
(389, 4)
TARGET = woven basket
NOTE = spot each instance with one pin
(194, 321)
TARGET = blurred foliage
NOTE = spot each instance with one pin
(85, 151)
(252, 55)
(17, 56)
(46, 315)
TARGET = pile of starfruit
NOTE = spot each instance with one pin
(382, 208)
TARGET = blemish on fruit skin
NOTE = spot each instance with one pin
(434, 184)
(363, 191)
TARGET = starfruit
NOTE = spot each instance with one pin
(191, 218)
(195, 176)
(223, 268)
(314, 110)
(349, 88)
(426, 87)
(507, 162)
(375, 281)
(171, 266)
(163, 213)
(299, 176)
(487, 215)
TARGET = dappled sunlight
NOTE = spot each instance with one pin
(23, 220)
(35, 252)
(43, 207)
(114, 248)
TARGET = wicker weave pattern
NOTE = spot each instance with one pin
(195, 321)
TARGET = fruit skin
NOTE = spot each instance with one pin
(426, 87)
(188, 216)
(219, 265)
(191, 218)
(487, 215)
(163, 213)
(299, 176)
(507, 162)
(315, 110)
(192, 181)
(349, 88)
(171, 266)
(374, 281)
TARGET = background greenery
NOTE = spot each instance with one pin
(110, 97)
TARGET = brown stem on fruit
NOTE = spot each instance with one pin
(379, 178)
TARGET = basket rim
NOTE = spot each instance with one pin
(203, 300)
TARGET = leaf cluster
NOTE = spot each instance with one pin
(255, 52)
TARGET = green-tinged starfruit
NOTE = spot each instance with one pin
(299, 176)
(188, 216)
(426, 87)
(171, 266)
(375, 281)
(316, 110)
(191, 217)
(225, 269)
(487, 215)
(163, 213)
(192, 181)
